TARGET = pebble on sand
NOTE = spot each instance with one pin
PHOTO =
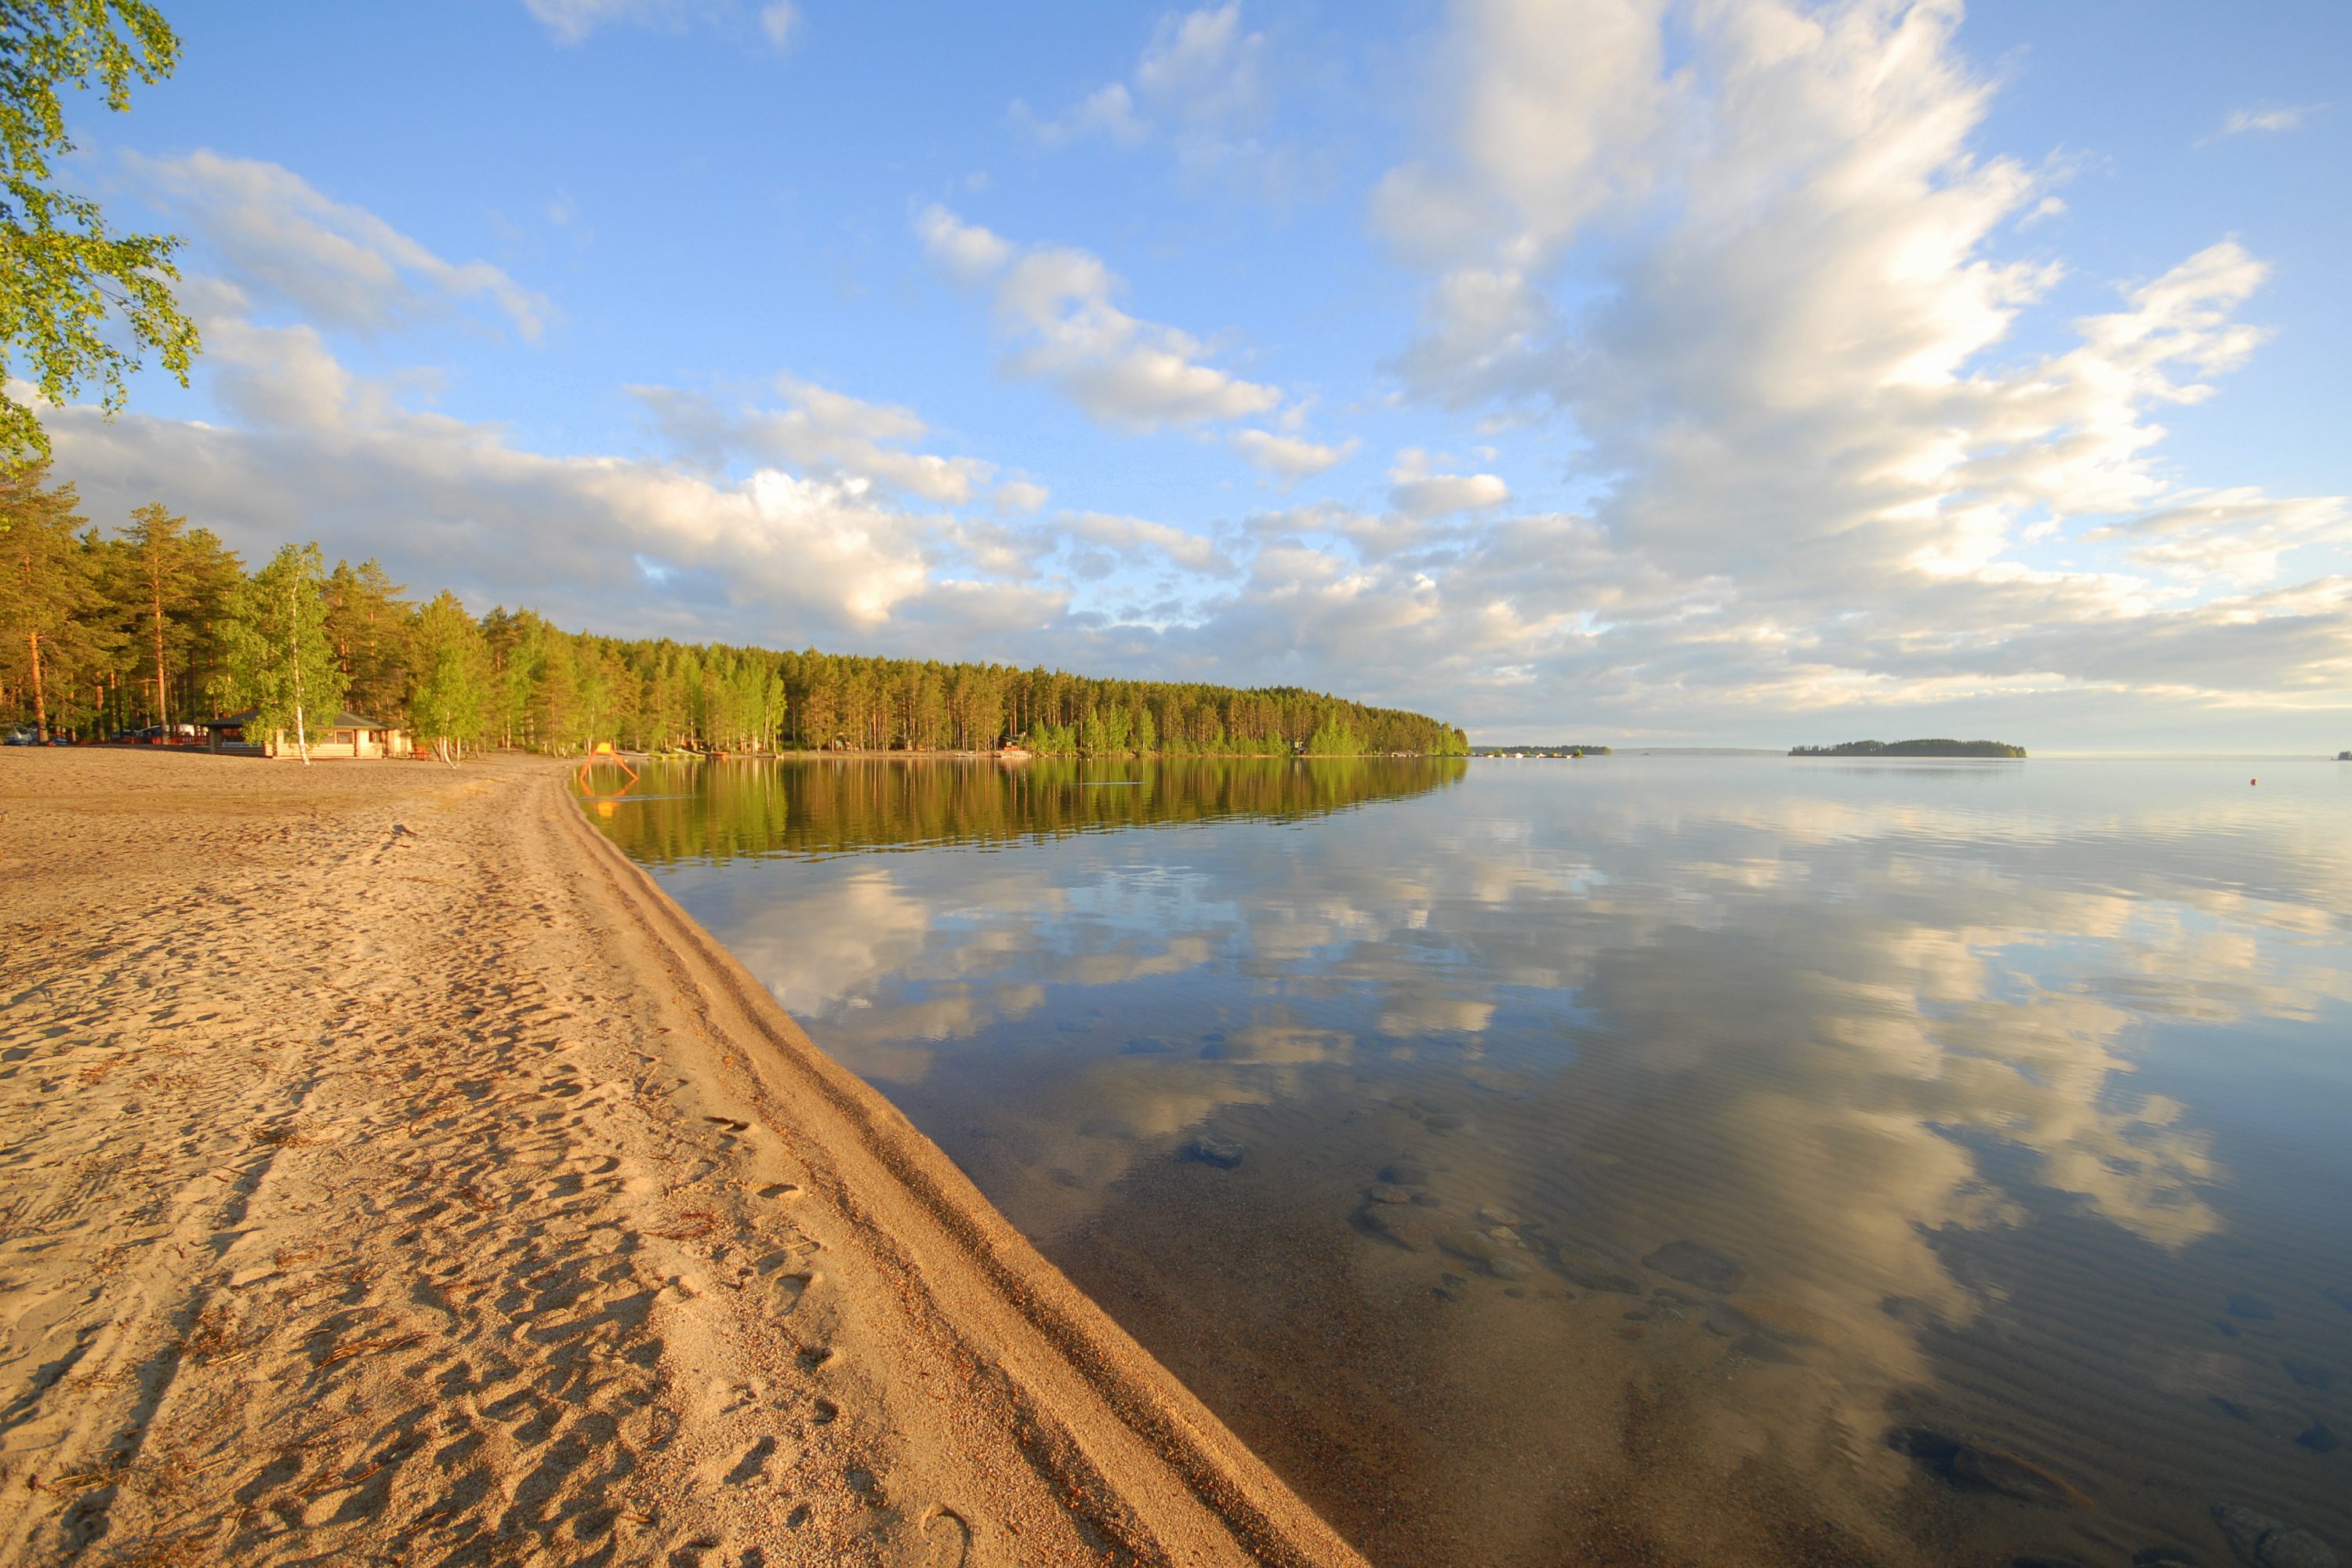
(2259, 1541)
(1405, 1174)
(2267, 1416)
(1979, 1466)
(1695, 1265)
(1784, 1321)
(1757, 1347)
(1393, 1224)
(1581, 1270)
(1214, 1148)
(2311, 1375)
(1475, 1245)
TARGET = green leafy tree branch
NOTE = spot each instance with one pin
(63, 273)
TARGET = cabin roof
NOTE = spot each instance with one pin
(346, 719)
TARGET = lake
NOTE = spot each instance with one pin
(1634, 1160)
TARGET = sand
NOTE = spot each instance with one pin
(390, 1173)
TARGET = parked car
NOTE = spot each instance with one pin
(23, 738)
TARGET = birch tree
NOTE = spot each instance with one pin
(280, 655)
(77, 303)
(452, 701)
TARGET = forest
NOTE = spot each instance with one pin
(159, 623)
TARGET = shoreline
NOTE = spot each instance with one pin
(408, 1175)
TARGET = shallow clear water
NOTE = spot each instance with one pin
(1787, 1160)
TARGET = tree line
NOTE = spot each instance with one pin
(159, 623)
(714, 813)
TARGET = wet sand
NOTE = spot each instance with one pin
(392, 1174)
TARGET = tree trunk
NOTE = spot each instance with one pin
(163, 703)
(294, 642)
(40, 705)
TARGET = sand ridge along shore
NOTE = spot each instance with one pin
(392, 1174)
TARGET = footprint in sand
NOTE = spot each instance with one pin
(947, 1538)
(753, 1464)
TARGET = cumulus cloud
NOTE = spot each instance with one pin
(281, 238)
(1202, 74)
(966, 251)
(816, 430)
(1054, 304)
(1021, 495)
(1290, 457)
(1192, 551)
(1754, 277)
(1202, 91)
(2231, 536)
(1204, 67)
(1417, 493)
(1737, 267)
(1108, 113)
(826, 553)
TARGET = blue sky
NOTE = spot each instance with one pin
(1733, 371)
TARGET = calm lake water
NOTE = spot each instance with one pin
(1707, 1161)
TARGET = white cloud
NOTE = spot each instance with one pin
(968, 252)
(1203, 90)
(340, 265)
(2238, 121)
(1755, 279)
(1193, 551)
(1054, 305)
(571, 21)
(780, 21)
(2234, 536)
(1021, 495)
(1203, 74)
(1416, 493)
(1746, 279)
(1108, 113)
(847, 439)
(1203, 69)
(1290, 457)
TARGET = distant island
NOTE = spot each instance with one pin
(1911, 749)
(1564, 750)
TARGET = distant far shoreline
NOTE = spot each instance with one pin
(1928, 748)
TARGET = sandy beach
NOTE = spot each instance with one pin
(393, 1174)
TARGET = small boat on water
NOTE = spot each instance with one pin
(1012, 754)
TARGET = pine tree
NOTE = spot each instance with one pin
(159, 557)
(51, 595)
(368, 623)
